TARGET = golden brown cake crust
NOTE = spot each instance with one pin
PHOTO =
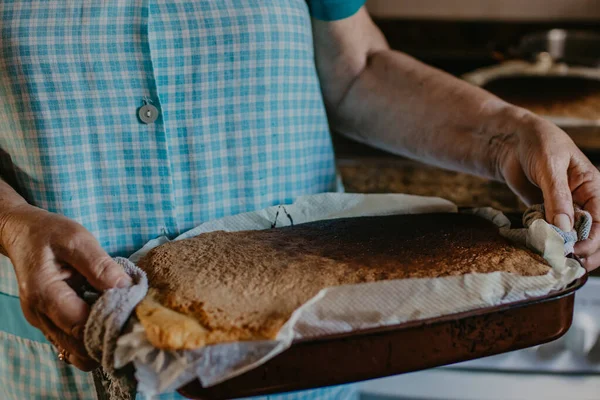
(229, 286)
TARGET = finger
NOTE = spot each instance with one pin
(30, 313)
(592, 261)
(77, 354)
(61, 304)
(86, 256)
(587, 195)
(527, 192)
(590, 246)
(558, 202)
(84, 364)
(520, 184)
(77, 282)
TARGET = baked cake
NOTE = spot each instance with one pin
(230, 286)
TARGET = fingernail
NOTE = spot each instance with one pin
(563, 222)
(124, 282)
(583, 263)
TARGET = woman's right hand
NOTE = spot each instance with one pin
(48, 251)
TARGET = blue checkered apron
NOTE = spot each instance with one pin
(241, 126)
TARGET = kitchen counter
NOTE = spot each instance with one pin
(366, 170)
(373, 175)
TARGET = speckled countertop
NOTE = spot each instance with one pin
(369, 171)
(404, 176)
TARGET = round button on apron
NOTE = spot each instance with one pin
(148, 113)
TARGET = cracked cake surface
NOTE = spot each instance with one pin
(230, 286)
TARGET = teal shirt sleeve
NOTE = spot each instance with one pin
(331, 10)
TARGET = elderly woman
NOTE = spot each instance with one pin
(122, 121)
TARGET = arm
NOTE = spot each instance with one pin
(9, 199)
(391, 101)
(47, 250)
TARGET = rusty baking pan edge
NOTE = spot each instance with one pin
(407, 347)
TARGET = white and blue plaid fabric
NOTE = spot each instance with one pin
(241, 126)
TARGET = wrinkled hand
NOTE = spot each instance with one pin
(542, 156)
(51, 253)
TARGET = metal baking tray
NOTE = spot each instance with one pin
(406, 347)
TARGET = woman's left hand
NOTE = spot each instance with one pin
(539, 155)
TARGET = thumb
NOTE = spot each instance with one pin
(100, 270)
(558, 201)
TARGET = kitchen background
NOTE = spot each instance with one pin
(490, 43)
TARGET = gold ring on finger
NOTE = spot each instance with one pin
(62, 355)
